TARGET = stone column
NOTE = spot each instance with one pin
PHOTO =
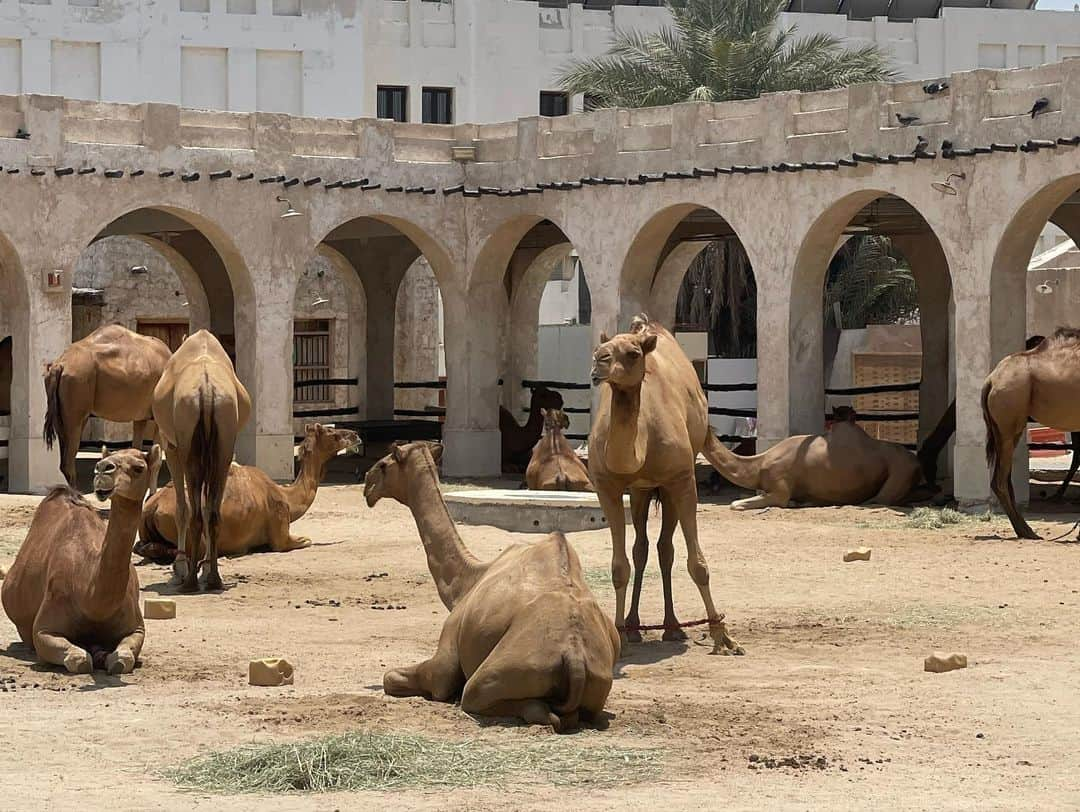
(381, 300)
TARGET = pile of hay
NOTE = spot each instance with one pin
(393, 761)
(925, 518)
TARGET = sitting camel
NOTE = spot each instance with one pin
(72, 592)
(554, 465)
(518, 440)
(199, 407)
(652, 422)
(1041, 384)
(255, 511)
(109, 374)
(843, 466)
(525, 636)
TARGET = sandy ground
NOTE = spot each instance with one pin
(833, 670)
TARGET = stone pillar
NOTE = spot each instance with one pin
(381, 300)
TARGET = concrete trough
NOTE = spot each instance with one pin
(520, 511)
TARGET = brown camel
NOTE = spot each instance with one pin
(255, 511)
(1042, 384)
(650, 427)
(72, 592)
(936, 440)
(518, 440)
(199, 407)
(843, 466)
(109, 374)
(554, 465)
(525, 636)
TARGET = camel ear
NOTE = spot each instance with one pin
(543, 412)
(648, 343)
(153, 456)
(399, 453)
(565, 421)
(436, 452)
(604, 337)
(104, 451)
(310, 427)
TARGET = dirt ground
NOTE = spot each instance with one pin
(833, 670)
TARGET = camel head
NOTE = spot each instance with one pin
(125, 474)
(325, 442)
(620, 361)
(555, 420)
(390, 475)
(544, 398)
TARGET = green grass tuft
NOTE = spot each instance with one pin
(395, 761)
(925, 518)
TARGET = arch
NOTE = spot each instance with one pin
(16, 369)
(933, 279)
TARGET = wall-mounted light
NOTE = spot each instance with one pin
(945, 186)
(1046, 288)
(138, 270)
(289, 210)
(319, 301)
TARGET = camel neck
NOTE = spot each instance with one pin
(453, 567)
(301, 493)
(535, 423)
(742, 471)
(627, 440)
(109, 583)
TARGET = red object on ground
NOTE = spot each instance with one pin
(1045, 435)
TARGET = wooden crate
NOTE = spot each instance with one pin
(878, 369)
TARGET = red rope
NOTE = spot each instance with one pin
(663, 627)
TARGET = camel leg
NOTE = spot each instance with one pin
(56, 649)
(894, 490)
(665, 549)
(507, 683)
(1074, 439)
(69, 447)
(146, 430)
(684, 498)
(186, 564)
(763, 500)
(612, 505)
(212, 511)
(122, 660)
(281, 541)
(639, 512)
(1001, 484)
(439, 678)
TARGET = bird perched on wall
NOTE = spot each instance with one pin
(906, 121)
(946, 145)
(21, 133)
(920, 146)
(933, 88)
(1040, 106)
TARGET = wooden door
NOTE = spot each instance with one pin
(172, 333)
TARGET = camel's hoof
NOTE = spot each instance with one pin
(79, 662)
(673, 635)
(214, 584)
(301, 543)
(189, 586)
(120, 662)
(630, 636)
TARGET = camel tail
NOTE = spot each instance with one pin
(993, 433)
(576, 678)
(54, 417)
(201, 465)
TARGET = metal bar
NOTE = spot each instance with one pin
(419, 384)
(873, 390)
(729, 387)
(528, 384)
(325, 382)
(326, 412)
(432, 412)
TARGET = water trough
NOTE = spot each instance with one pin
(520, 511)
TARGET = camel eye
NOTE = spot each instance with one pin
(139, 467)
(633, 355)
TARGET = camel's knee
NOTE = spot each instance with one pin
(699, 570)
(620, 572)
(400, 682)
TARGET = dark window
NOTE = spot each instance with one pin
(438, 105)
(554, 104)
(393, 102)
(311, 359)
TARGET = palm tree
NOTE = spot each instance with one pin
(869, 283)
(719, 50)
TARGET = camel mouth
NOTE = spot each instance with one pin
(157, 552)
(102, 494)
(598, 379)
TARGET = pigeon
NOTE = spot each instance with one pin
(920, 146)
(906, 121)
(946, 145)
(21, 133)
(1040, 106)
(935, 87)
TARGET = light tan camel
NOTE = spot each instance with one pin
(650, 427)
(200, 407)
(518, 440)
(1042, 384)
(843, 466)
(109, 374)
(554, 465)
(255, 511)
(525, 636)
(72, 592)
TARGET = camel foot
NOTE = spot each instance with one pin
(673, 634)
(630, 635)
(298, 543)
(536, 712)
(78, 661)
(213, 583)
(121, 661)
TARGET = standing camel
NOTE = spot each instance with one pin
(1043, 384)
(109, 374)
(199, 407)
(650, 427)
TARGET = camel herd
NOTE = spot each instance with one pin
(524, 637)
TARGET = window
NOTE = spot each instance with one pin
(438, 105)
(393, 102)
(311, 359)
(553, 103)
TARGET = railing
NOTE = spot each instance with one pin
(346, 411)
